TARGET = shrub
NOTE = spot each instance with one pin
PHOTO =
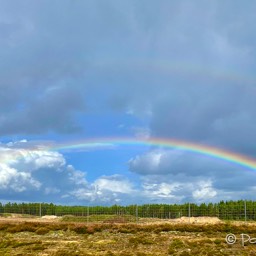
(79, 229)
(42, 231)
(140, 240)
(177, 244)
(217, 241)
(23, 227)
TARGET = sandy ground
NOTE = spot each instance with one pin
(19, 218)
(53, 218)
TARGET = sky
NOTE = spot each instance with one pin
(103, 73)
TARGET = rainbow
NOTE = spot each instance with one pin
(186, 146)
(165, 66)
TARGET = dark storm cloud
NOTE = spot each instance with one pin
(194, 75)
(50, 109)
(46, 43)
(214, 115)
(36, 58)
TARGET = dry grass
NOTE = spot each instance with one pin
(121, 239)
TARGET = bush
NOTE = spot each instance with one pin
(23, 227)
(42, 231)
(140, 240)
(177, 244)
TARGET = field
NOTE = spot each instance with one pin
(69, 235)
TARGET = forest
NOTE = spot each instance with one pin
(226, 210)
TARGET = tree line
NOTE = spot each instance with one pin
(228, 210)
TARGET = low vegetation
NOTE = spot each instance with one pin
(72, 237)
(106, 218)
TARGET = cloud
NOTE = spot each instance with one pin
(141, 132)
(108, 190)
(33, 174)
(176, 61)
(162, 190)
(52, 109)
(29, 159)
(180, 176)
(183, 70)
(204, 191)
(154, 162)
(170, 189)
(38, 73)
(114, 183)
(16, 181)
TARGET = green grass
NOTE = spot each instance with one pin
(100, 218)
(5, 215)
